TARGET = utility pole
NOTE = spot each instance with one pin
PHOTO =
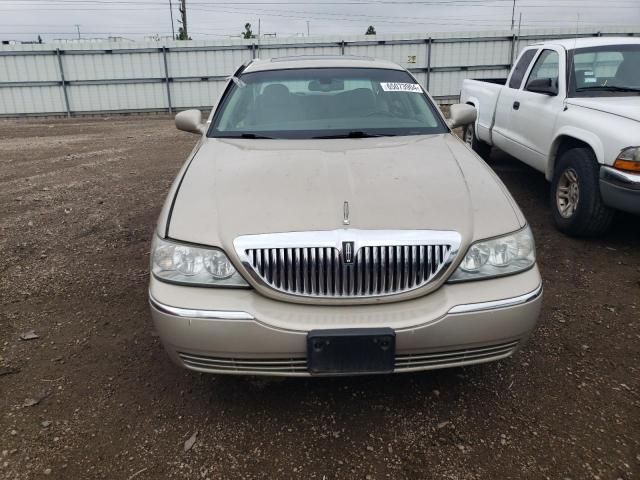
(258, 30)
(307, 28)
(513, 15)
(173, 29)
(183, 12)
(78, 29)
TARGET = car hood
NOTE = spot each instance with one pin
(627, 106)
(240, 187)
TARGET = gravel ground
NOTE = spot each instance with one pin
(95, 396)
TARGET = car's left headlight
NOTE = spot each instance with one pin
(186, 264)
(496, 257)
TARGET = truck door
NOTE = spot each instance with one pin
(535, 110)
(502, 132)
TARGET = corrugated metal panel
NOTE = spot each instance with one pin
(17, 100)
(31, 67)
(87, 98)
(449, 83)
(295, 51)
(471, 53)
(196, 94)
(111, 66)
(407, 55)
(202, 63)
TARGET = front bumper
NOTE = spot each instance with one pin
(620, 190)
(243, 332)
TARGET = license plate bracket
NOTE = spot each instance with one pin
(351, 351)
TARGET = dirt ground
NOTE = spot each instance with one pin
(95, 396)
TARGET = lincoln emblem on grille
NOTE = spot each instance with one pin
(347, 252)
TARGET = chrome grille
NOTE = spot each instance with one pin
(323, 270)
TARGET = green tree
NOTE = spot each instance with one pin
(39, 39)
(371, 30)
(247, 34)
(182, 35)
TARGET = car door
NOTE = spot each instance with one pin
(502, 132)
(534, 113)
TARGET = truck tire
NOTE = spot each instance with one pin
(481, 148)
(576, 202)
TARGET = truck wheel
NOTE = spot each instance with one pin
(576, 202)
(481, 148)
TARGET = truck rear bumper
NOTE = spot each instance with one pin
(620, 190)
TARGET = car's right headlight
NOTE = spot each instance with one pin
(497, 257)
(186, 264)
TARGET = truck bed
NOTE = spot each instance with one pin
(483, 94)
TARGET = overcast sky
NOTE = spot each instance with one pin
(216, 19)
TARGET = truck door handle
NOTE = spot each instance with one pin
(516, 105)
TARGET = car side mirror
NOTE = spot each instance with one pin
(190, 121)
(461, 114)
(547, 86)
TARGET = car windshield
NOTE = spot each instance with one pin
(325, 103)
(607, 70)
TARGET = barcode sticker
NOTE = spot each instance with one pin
(401, 87)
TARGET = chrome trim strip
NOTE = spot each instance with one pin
(202, 314)
(507, 302)
(620, 178)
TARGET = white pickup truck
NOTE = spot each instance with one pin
(570, 109)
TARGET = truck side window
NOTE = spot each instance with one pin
(545, 67)
(521, 68)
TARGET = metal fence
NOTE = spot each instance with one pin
(122, 77)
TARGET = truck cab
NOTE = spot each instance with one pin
(570, 109)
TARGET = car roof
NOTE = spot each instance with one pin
(319, 61)
(571, 43)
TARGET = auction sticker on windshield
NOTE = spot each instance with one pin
(400, 87)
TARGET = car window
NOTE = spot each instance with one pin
(521, 68)
(546, 66)
(321, 102)
(605, 70)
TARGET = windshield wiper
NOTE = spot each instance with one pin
(608, 88)
(246, 135)
(355, 134)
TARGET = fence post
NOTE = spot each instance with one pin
(253, 50)
(513, 49)
(429, 63)
(166, 77)
(63, 82)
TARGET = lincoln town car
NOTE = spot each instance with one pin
(329, 222)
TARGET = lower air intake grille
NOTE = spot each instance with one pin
(424, 361)
(246, 365)
(298, 365)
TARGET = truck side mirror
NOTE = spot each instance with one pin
(547, 86)
(461, 114)
(190, 121)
